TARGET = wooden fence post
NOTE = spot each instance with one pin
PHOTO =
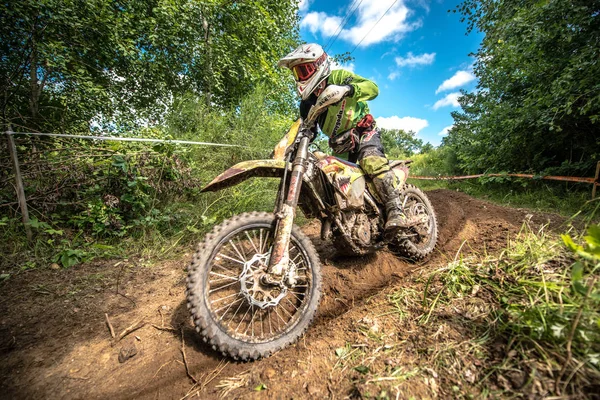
(596, 180)
(12, 149)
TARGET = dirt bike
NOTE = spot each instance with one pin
(254, 283)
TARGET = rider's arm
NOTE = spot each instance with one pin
(364, 89)
(304, 108)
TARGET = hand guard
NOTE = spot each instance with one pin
(331, 95)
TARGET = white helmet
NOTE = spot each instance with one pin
(310, 66)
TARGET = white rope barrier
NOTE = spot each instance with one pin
(124, 139)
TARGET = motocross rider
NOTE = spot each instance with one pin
(347, 123)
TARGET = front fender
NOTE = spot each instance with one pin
(244, 170)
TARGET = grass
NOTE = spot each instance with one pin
(523, 323)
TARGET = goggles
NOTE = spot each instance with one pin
(302, 72)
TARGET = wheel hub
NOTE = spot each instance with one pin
(420, 211)
(254, 287)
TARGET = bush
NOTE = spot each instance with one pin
(106, 191)
(438, 161)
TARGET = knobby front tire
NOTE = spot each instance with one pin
(231, 308)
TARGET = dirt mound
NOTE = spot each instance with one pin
(54, 340)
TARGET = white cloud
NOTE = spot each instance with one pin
(412, 61)
(393, 75)
(458, 79)
(303, 5)
(445, 131)
(320, 21)
(450, 100)
(371, 25)
(405, 123)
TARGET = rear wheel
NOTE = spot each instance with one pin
(418, 241)
(232, 307)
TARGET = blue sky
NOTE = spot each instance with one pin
(418, 54)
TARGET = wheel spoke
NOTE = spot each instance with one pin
(232, 259)
(226, 269)
(223, 298)
(293, 305)
(228, 307)
(243, 318)
(295, 258)
(251, 242)
(235, 313)
(237, 251)
(221, 287)
(287, 312)
(224, 276)
(283, 320)
(298, 293)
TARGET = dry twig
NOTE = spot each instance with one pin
(187, 369)
(161, 367)
(164, 328)
(110, 327)
(211, 376)
(132, 328)
(162, 318)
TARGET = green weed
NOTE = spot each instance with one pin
(523, 323)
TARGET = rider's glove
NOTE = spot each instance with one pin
(345, 90)
(350, 91)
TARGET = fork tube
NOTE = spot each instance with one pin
(280, 255)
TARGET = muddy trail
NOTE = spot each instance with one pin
(55, 342)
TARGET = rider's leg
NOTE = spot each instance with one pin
(386, 184)
(372, 160)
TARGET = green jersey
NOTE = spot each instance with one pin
(347, 113)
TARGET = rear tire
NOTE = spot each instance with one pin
(231, 308)
(421, 240)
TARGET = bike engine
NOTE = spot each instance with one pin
(361, 231)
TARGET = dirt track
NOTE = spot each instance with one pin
(54, 342)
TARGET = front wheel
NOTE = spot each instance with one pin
(418, 241)
(232, 307)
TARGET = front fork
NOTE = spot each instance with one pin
(280, 255)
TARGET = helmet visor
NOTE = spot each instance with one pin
(304, 71)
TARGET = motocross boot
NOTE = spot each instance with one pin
(390, 195)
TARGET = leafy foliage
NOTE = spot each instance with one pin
(537, 105)
(399, 143)
(434, 162)
(90, 198)
(72, 65)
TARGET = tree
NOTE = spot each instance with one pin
(537, 104)
(66, 64)
(426, 148)
(399, 143)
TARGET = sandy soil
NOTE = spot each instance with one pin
(54, 341)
